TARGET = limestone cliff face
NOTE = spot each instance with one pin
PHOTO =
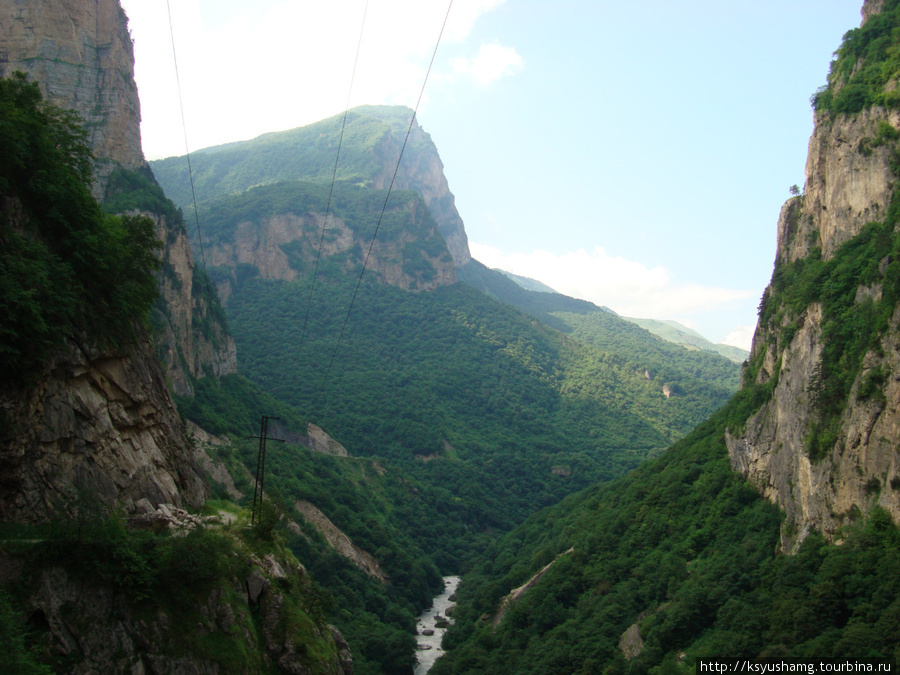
(265, 245)
(103, 420)
(370, 144)
(81, 55)
(423, 171)
(102, 423)
(193, 338)
(849, 183)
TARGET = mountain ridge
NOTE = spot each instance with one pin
(371, 145)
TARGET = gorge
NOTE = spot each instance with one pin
(613, 502)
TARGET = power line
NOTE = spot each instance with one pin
(187, 152)
(384, 206)
(312, 285)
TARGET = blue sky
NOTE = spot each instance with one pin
(633, 154)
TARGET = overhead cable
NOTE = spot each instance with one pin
(384, 206)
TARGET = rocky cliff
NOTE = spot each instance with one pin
(284, 245)
(826, 445)
(81, 54)
(370, 148)
(423, 171)
(192, 336)
(100, 423)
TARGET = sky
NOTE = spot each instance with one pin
(632, 154)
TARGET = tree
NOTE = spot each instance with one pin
(67, 269)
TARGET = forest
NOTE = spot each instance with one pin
(491, 431)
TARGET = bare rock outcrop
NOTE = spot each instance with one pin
(193, 338)
(850, 183)
(320, 441)
(423, 172)
(339, 541)
(81, 55)
(270, 246)
(631, 644)
(101, 422)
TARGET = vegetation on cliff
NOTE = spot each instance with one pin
(850, 328)
(221, 598)
(865, 69)
(67, 270)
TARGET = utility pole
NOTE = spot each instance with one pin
(261, 462)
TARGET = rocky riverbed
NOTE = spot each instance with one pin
(431, 626)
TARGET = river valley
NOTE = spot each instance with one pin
(428, 634)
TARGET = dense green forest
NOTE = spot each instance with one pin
(462, 390)
(516, 414)
(66, 269)
(603, 329)
(686, 550)
(680, 560)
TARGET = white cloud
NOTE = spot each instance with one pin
(628, 287)
(491, 63)
(740, 336)
(250, 68)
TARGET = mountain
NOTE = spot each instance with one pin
(770, 531)
(97, 464)
(824, 446)
(427, 368)
(527, 283)
(458, 415)
(371, 139)
(427, 406)
(682, 335)
(672, 331)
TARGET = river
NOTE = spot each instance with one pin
(429, 646)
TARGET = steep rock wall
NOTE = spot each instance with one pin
(193, 339)
(423, 171)
(849, 184)
(264, 245)
(81, 55)
(102, 423)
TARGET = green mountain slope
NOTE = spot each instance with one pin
(682, 559)
(603, 329)
(685, 551)
(306, 153)
(691, 339)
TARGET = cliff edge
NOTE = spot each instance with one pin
(825, 446)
